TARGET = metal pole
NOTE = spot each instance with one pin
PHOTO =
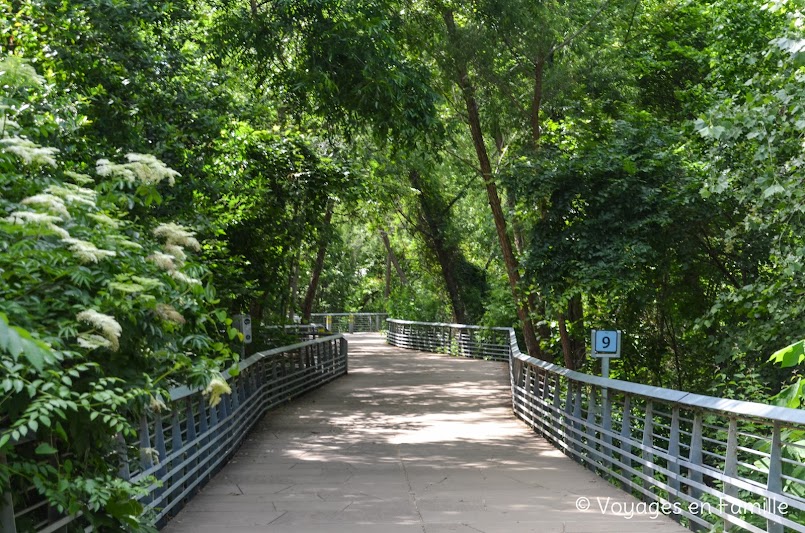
(604, 374)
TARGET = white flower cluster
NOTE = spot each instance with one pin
(170, 314)
(81, 179)
(29, 152)
(176, 239)
(216, 388)
(50, 203)
(142, 168)
(73, 194)
(176, 235)
(107, 325)
(86, 252)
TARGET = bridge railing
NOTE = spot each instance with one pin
(350, 322)
(452, 339)
(704, 461)
(182, 444)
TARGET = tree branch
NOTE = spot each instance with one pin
(569, 39)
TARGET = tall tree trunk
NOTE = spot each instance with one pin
(318, 266)
(432, 212)
(536, 102)
(512, 268)
(397, 267)
(574, 349)
(294, 286)
(387, 292)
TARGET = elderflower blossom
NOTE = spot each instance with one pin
(144, 168)
(163, 261)
(157, 405)
(32, 218)
(169, 313)
(61, 232)
(176, 251)
(174, 234)
(90, 341)
(150, 454)
(51, 203)
(73, 194)
(25, 218)
(108, 326)
(86, 252)
(81, 179)
(30, 152)
(104, 220)
(217, 387)
(184, 278)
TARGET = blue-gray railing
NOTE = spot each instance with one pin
(350, 322)
(182, 444)
(707, 462)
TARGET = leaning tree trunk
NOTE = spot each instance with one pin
(512, 268)
(432, 213)
(318, 266)
(393, 256)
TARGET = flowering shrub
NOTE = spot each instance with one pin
(100, 313)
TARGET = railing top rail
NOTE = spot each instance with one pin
(737, 408)
(445, 324)
(346, 314)
(177, 393)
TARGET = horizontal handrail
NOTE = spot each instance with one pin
(351, 322)
(707, 460)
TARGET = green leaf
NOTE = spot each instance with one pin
(790, 355)
(774, 189)
(45, 449)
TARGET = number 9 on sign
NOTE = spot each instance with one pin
(606, 343)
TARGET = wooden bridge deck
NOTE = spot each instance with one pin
(408, 441)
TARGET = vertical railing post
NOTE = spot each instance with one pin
(673, 458)
(7, 520)
(567, 422)
(344, 355)
(577, 420)
(146, 460)
(626, 439)
(696, 459)
(774, 483)
(190, 423)
(648, 446)
(606, 431)
(590, 428)
(556, 415)
(159, 441)
(122, 452)
(731, 469)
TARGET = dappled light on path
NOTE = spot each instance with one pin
(407, 441)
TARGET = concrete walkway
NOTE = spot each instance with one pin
(407, 442)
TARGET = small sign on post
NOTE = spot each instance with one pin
(243, 323)
(606, 344)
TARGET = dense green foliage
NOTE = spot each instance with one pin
(164, 166)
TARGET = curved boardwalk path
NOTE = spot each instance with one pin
(407, 442)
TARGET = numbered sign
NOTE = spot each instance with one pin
(606, 343)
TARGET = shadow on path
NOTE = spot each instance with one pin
(408, 441)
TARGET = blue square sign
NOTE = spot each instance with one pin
(606, 343)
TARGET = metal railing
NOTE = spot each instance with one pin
(452, 339)
(707, 462)
(181, 446)
(350, 322)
